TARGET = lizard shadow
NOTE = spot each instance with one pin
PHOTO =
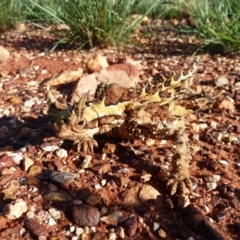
(29, 130)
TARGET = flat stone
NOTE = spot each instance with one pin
(62, 177)
(57, 197)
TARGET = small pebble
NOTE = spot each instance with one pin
(43, 215)
(79, 231)
(29, 103)
(44, 71)
(156, 226)
(194, 183)
(30, 214)
(48, 147)
(15, 100)
(146, 177)
(15, 209)
(34, 170)
(36, 67)
(203, 125)
(103, 182)
(220, 217)
(223, 162)
(61, 153)
(112, 218)
(33, 189)
(98, 186)
(87, 162)
(213, 124)
(56, 214)
(72, 229)
(140, 220)
(212, 178)
(51, 222)
(211, 186)
(221, 81)
(27, 162)
(104, 210)
(112, 236)
(120, 232)
(162, 233)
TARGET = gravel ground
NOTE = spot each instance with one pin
(48, 190)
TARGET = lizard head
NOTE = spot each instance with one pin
(66, 115)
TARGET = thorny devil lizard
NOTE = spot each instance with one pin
(130, 119)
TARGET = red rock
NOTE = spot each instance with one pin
(35, 228)
(85, 215)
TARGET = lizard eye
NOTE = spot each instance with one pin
(81, 123)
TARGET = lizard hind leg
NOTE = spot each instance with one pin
(179, 180)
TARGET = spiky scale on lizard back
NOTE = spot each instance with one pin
(131, 119)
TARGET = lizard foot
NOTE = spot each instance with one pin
(86, 143)
(179, 182)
